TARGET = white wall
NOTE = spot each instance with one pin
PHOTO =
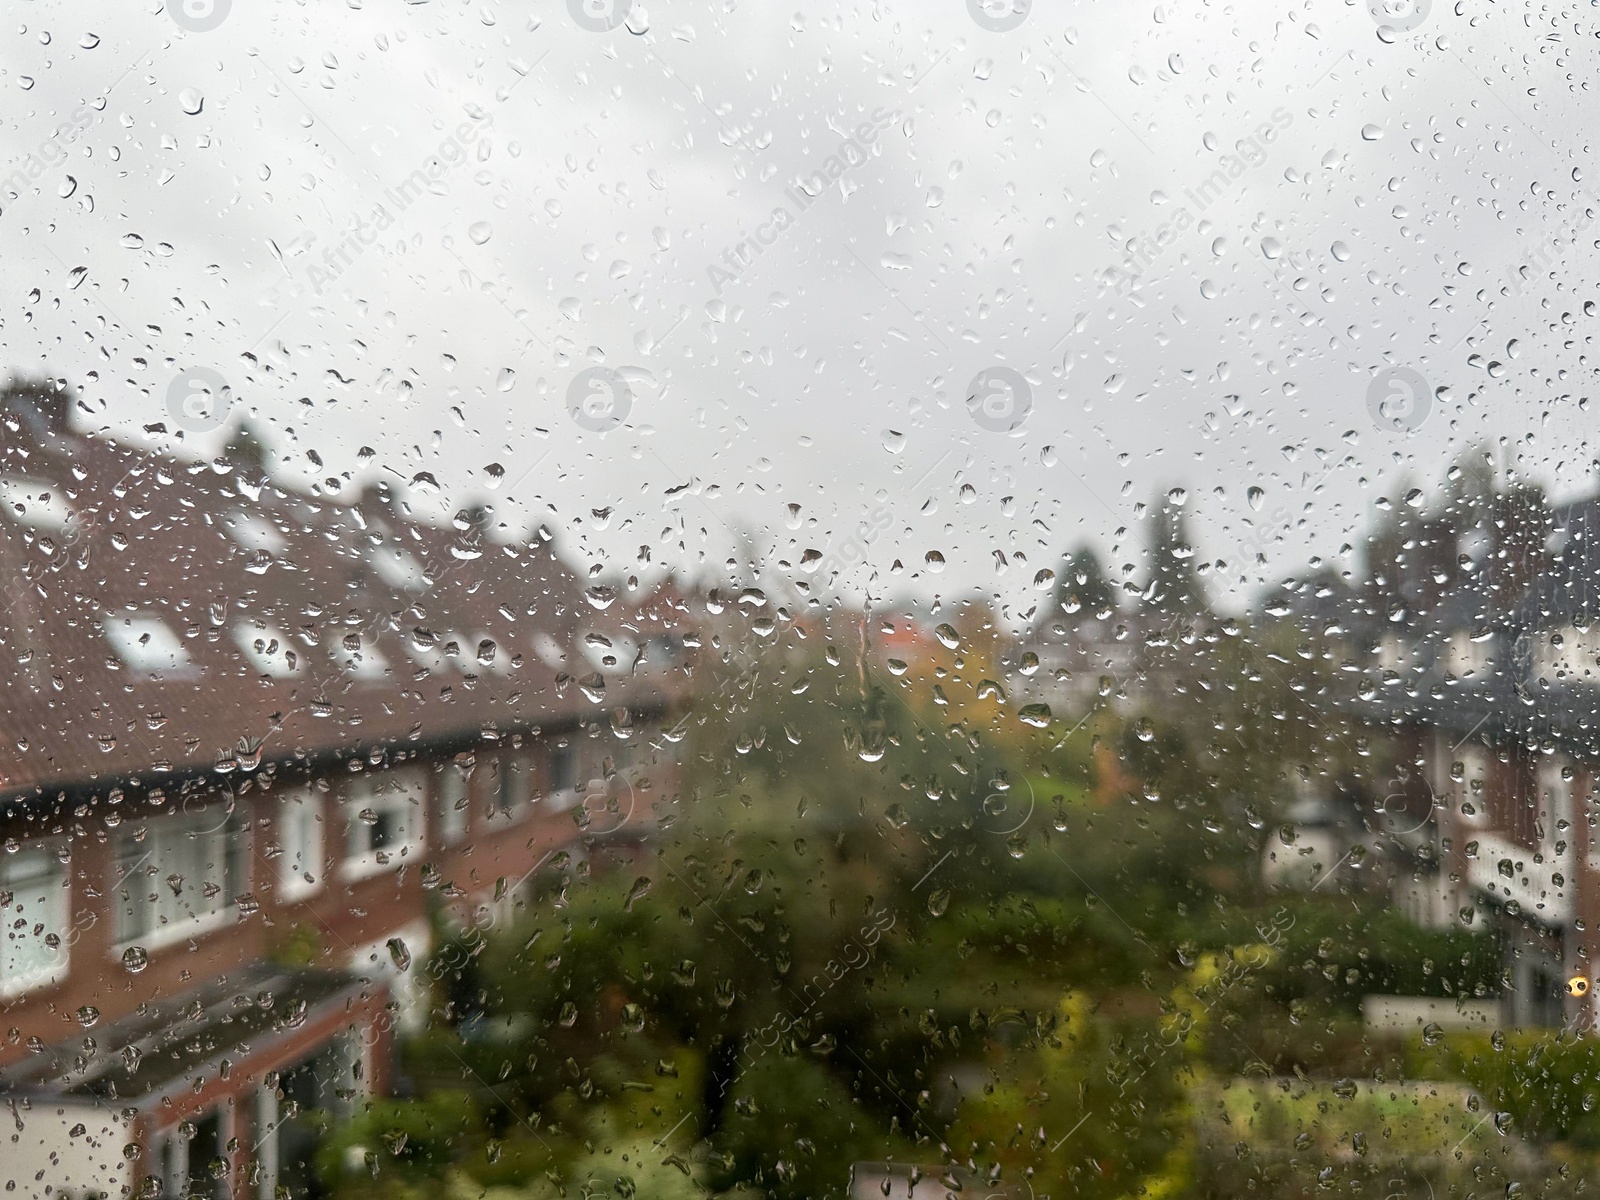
(42, 1154)
(1411, 1013)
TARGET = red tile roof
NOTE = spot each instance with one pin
(476, 634)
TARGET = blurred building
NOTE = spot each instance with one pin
(1492, 701)
(259, 748)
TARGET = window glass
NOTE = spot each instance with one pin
(145, 643)
(383, 815)
(850, 599)
(267, 649)
(33, 888)
(516, 782)
(34, 503)
(301, 841)
(179, 872)
(454, 798)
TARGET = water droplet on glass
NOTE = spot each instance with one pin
(191, 101)
(399, 953)
(480, 232)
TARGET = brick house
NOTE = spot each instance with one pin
(258, 745)
(1492, 705)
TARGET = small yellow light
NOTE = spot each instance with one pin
(1578, 986)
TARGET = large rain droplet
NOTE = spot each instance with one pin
(400, 953)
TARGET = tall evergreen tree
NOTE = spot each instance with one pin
(1174, 585)
(1083, 590)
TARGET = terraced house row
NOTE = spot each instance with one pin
(1493, 701)
(254, 744)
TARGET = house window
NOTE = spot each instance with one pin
(399, 569)
(610, 654)
(563, 767)
(1472, 789)
(300, 837)
(145, 643)
(1392, 652)
(184, 871)
(452, 804)
(1555, 806)
(1468, 655)
(516, 782)
(1570, 654)
(33, 912)
(34, 503)
(488, 653)
(383, 820)
(253, 532)
(267, 649)
(663, 651)
(361, 657)
(433, 651)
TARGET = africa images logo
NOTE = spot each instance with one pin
(599, 16)
(199, 399)
(199, 16)
(1402, 15)
(999, 16)
(1399, 399)
(599, 399)
(999, 400)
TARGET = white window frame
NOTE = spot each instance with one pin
(143, 642)
(617, 656)
(518, 769)
(1392, 652)
(374, 962)
(434, 657)
(1468, 655)
(302, 844)
(40, 886)
(500, 664)
(399, 568)
(36, 503)
(367, 662)
(1555, 805)
(455, 815)
(1576, 660)
(203, 840)
(254, 532)
(268, 650)
(401, 793)
(1475, 765)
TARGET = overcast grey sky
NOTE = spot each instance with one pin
(1289, 198)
